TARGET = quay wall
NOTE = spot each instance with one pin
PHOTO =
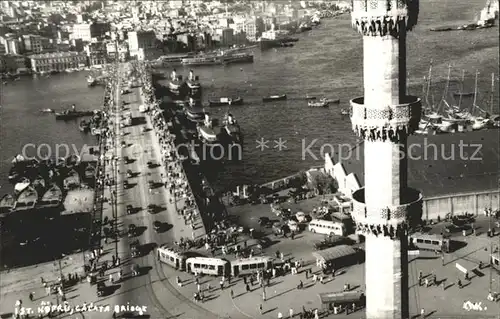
(283, 183)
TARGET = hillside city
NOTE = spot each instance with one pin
(44, 36)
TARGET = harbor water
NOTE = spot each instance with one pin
(326, 61)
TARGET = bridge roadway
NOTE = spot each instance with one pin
(151, 288)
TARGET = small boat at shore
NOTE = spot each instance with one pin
(47, 111)
(344, 112)
(226, 101)
(52, 197)
(272, 98)
(27, 199)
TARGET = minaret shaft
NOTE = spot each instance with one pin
(385, 208)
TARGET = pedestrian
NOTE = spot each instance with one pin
(221, 285)
(31, 296)
(245, 280)
(291, 312)
(232, 293)
(198, 287)
(247, 288)
(280, 315)
(260, 309)
(264, 295)
(208, 287)
(422, 313)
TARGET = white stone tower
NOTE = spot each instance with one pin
(385, 208)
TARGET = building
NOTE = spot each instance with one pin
(11, 44)
(96, 53)
(385, 208)
(227, 37)
(141, 40)
(48, 62)
(82, 31)
(449, 186)
(13, 63)
(99, 29)
(250, 29)
(32, 43)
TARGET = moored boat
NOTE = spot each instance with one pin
(226, 101)
(272, 98)
(232, 129)
(209, 131)
(194, 113)
(321, 103)
(193, 85)
(72, 180)
(72, 160)
(72, 114)
(344, 112)
(52, 197)
(21, 185)
(84, 126)
(175, 83)
(27, 199)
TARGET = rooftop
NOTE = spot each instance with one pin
(436, 172)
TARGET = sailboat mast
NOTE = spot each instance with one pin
(445, 91)
(428, 86)
(461, 89)
(492, 92)
(475, 90)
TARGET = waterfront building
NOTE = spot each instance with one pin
(385, 208)
(96, 53)
(227, 37)
(250, 28)
(140, 40)
(13, 63)
(11, 44)
(57, 61)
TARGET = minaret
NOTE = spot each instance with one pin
(385, 208)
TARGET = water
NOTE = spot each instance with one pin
(326, 61)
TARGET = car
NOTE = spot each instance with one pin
(293, 225)
(123, 144)
(126, 159)
(130, 209)
(144, 129)
(301, 217)
(151, 184)
(157, 226)
(125, 184)
(150, 164)
(151, 208)
(129, 173)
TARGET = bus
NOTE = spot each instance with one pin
(327, 227)
(208, 266)
(495, 261)
(430, 242)
(172, 257)
(248, 266)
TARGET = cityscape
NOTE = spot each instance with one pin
(249, 159)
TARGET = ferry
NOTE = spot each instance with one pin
(226, 101)
(219, 59)
(175, 83)
(193, 85)
(194, 113)
(209, 131)
(238, 58)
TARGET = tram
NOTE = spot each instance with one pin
(172, 257)
(437, 243)
(208, 266)
(248, 266)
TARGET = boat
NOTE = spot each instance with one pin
(344, 112)
(52, 197)
(91, 81)
(226, 101)
(39, 183)
(27, 199)
(315, 20)
(193, 84)
(7, 202)
(232, 128)
(47, 111)
(84, 126)
(209, 131)
(304, 26)
(90, 172)
(21, 185)
(272, 98)
(444, 28)
(72, 180)
(321, 103)
(72, 114)
(14, 175)
(194, 113)
(175, 83)
(237, 58)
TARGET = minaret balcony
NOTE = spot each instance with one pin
(385, 122)
(387, 220)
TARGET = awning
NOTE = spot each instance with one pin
(334, 253)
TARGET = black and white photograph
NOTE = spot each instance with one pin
(249, 159)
